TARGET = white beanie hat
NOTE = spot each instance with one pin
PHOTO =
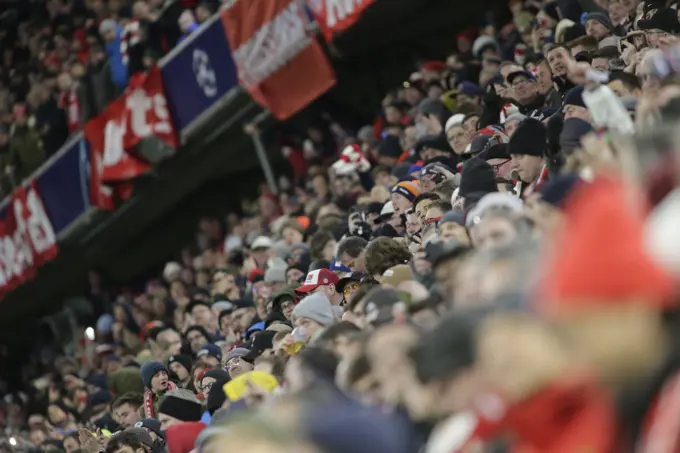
(455, 120)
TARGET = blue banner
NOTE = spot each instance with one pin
(65, 186)
(198, 73)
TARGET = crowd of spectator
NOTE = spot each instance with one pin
(63, 61)
(492, 265)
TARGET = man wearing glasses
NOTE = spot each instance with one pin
(525, 89)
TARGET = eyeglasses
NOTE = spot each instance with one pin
(520, 82)
(497, 167)
(350, 288)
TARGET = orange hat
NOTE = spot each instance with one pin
(408, 189)
(304, 221)
(599, 256)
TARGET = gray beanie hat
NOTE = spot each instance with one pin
(316, 307)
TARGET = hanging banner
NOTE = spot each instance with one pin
(27, 238)
(200, 74)
(280, 65)
(140, 113)
(335, 16)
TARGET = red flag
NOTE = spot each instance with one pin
(335, 16)
(280, 65)
(27, 238)
(140, 113)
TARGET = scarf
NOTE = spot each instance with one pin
(149, 408)
(130, 37)
(69, 102)
(536, 185)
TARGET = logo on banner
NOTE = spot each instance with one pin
(338, 10)
(274, 53)
(272, 46)
(205, 75)
(337, 15)
(140, 113)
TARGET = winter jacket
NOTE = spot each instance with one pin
(553, 99)
(119, 72)
(6, 159)
(26, 145)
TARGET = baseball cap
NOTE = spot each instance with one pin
(351, 277)
(261, 243)
(383, 305)
(387, 209)
(319, 277)
(396, 275)
(478, 144)
(151, 424)
(336, 266)
(513, 75)
(211, 350)
(469, 88)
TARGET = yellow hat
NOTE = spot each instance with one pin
(236, 388)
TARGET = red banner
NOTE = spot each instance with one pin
(140, 113)
(27, 239)
(280, 65)
(335, 16)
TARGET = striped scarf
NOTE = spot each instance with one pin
(149, 407)
(130, 37)
(69, 102)
(536, 185)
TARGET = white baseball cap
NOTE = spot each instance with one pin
(387, 209)
(493, 200)
(261, 242)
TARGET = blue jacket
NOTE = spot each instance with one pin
(119, 72)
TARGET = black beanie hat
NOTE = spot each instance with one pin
(477, 176)
(438, 142)
(390, 147)
(182, 359)
(530, 138)
(574, 32)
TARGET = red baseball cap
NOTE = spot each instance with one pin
(319, 277)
